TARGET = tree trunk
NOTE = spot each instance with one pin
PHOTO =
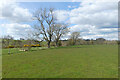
(57, 43)
(49, 44)
(9, 51)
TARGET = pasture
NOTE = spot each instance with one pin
(83, 61)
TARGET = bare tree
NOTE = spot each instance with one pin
(46, 20)
(36, 34)
(74, 37)
(60, 30)
(28, 37)
(6, 40)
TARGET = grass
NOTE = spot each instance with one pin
(81, 61)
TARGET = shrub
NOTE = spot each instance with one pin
(26, 45)
(33, 45)
(10, 46)
(37, 45)
(59, 43)
(52, 44)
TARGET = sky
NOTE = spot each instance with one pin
(92, 18)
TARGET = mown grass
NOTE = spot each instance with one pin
(81, 61)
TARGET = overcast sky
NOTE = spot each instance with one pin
(92, 18)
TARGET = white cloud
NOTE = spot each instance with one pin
(91, 32)
(111, 36)
(98, 14)
(10, 10)
(13, 14)
(62, 15)
(15, 29)
(71, 6)
(93, 18)
(95, 1)
(89, 18)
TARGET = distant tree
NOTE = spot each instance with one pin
(92, 41)
(100, 40)
(26, 39)
(19, 44)
(46, 20)
(87, 41)
(74, 37)
(37, 36)
(118, 42)
(59, 31)
(6, 40)
(22, 39)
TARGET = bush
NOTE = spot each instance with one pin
(10, 46)
(26, 45)
(37, 45)
(70, 42)
(52, 44)
(59, 43)
(33, 45)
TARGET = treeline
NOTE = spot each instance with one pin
(10, 42)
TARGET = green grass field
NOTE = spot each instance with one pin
(84, 61)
